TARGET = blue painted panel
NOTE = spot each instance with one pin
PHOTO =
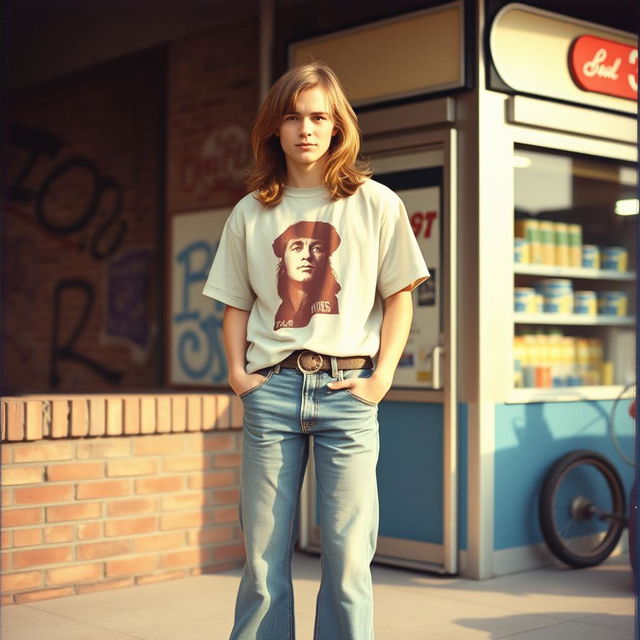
(410, 471)
(528, 439)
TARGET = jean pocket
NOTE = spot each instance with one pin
(249, 392)
(362, 400)
(359, 373)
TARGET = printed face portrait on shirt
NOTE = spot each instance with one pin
(305, 259)
(306, 282)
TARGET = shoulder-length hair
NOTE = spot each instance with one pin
(343, 172)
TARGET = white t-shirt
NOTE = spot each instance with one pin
(313, 272)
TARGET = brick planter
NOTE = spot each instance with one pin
(100, 492)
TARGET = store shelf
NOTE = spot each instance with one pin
(557, 318)
(572, 272)
(564, 394)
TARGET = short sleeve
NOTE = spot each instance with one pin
(400, 263)
(228, 279)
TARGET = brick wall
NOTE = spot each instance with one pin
(153, 495)
(80, 229)
(212, 100)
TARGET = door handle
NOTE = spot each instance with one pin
(436, 365)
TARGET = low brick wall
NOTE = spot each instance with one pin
(101, 492)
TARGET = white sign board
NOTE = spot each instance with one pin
(417, 179)
(195, 328)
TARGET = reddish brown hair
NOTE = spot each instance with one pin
(343, 173)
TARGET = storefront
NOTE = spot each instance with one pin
(511, 140)
(488, 396)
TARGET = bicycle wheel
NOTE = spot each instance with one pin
(582, 508)
(622, 426)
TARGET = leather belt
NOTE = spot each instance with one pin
(311, 362)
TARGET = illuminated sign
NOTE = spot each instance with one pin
(604, 66)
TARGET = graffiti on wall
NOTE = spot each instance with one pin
(220, 163)
(77, 207)
(129, 280)
(101, 193)
(63, 348)
(197, 353)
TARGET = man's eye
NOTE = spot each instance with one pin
(291, 117)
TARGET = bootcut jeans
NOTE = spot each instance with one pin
(279, 416)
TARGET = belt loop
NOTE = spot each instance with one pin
(334, 367)
(276, 369)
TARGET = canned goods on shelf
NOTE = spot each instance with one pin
(612, 303)
(524, 300)
(614, 258)
(575, 245)
(585, 303)
(547, 241)
(561, 244)
(557, 294)
(590, 256)
(530, 230)
(520, 251)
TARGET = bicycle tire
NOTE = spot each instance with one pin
(559, 500)
(611, 423)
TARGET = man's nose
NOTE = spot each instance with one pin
(305, 127)
(306, 253)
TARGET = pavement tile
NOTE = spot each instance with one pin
(546, 604)
(24, 622)
(161, 611)
(575, 630)
(617, 620)
(553, 591)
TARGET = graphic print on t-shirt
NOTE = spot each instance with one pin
(306, 282)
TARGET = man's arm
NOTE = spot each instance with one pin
(234, 334)
(396, 324)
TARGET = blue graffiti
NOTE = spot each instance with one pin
(200, 351)
(193, 275)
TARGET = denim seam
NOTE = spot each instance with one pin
(316, 399)
(316, 626)
(303, 402)
(294, 514)
(310, 404)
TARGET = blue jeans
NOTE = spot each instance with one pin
(279, 416)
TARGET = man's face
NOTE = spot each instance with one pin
(305, 134)
(304, 259)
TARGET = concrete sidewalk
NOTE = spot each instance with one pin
(547, 604)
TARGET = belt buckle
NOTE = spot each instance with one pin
(316, 359)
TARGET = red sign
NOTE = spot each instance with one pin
(604, 66)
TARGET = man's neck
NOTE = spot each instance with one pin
(305, 177)
(296, 296)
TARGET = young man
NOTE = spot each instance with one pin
(300, 349)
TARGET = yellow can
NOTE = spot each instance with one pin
(561, 236)
(547, 241)
(529, 229)
(575, 245)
